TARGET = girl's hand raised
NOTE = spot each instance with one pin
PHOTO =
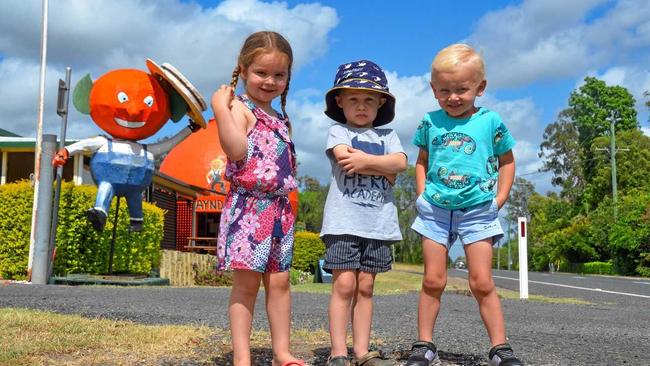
(222, 98)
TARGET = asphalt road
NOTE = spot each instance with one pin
(590, 288)
(611, 330)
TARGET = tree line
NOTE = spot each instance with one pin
(577, 223)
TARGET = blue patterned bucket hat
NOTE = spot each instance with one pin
(363, 75)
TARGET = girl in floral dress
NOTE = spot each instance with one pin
(257, 224)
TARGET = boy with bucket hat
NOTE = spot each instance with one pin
(360, 218)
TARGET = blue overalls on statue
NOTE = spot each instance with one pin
(122, 175)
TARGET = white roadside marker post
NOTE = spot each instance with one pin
(523, 258)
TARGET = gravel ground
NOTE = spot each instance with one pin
(606, 332)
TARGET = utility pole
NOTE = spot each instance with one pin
(39, 144)
(612, 152)
(498, 254)
(509, 253)
(613, 118)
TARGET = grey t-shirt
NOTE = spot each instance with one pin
(357, 204)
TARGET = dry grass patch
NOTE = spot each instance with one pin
(31, 337)
(408, 278)
(460, 286)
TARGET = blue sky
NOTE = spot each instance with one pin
(536, 53)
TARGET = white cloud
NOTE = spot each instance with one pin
(521, 116)
(19, 100)
(542, 40)
(635, 80)
(97, 36)
(646, 130)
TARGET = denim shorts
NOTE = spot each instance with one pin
(350, 252)
(469, 224)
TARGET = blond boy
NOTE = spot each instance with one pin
(465, 153)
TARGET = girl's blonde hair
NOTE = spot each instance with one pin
(458, 54)
(256, 44)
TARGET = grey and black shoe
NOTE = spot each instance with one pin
(337, 361)
(502, 355)
(135, 225)
(423, 353)
(97, 218)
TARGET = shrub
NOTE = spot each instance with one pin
(79, 248)
(598, 268)
(16, 202)
(307, 249)
(643, 269)
(298, 277)
(629, 238)
(211, 277)
(566, 266)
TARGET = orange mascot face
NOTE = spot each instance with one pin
(129, 104)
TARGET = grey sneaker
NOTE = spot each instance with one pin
(502, 355)
(423, 353)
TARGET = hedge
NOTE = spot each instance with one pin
(16, 202)
(307, 250)
(606, 268)
(603, 268)
(80, 249)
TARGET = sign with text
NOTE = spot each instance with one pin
(209, 203)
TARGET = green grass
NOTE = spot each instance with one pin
(389, 283)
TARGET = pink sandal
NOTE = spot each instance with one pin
(294, 363)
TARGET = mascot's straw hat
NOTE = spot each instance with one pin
(174, 79)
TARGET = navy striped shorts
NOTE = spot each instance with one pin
(355, 253)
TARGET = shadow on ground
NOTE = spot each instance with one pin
(318, 357)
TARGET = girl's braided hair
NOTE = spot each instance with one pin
(256, 44)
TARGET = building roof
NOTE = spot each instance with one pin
(22, 143)
(4, 132)
(181, 186)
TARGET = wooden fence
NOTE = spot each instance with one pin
(177, 266)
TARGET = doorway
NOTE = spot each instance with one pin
(207, 224)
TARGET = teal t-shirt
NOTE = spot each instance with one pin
(463, 157)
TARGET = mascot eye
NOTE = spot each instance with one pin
(122, 97)
(148, 100)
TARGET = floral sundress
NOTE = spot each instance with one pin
(257, 223)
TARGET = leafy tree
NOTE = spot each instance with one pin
(548, 215)
(594, 106)
(632, 166)
(572, 244)
(561, 154)
(518, 199)
(567, 145)
(312, 201)
(629, 237)
(409, 249)
(309, 184)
